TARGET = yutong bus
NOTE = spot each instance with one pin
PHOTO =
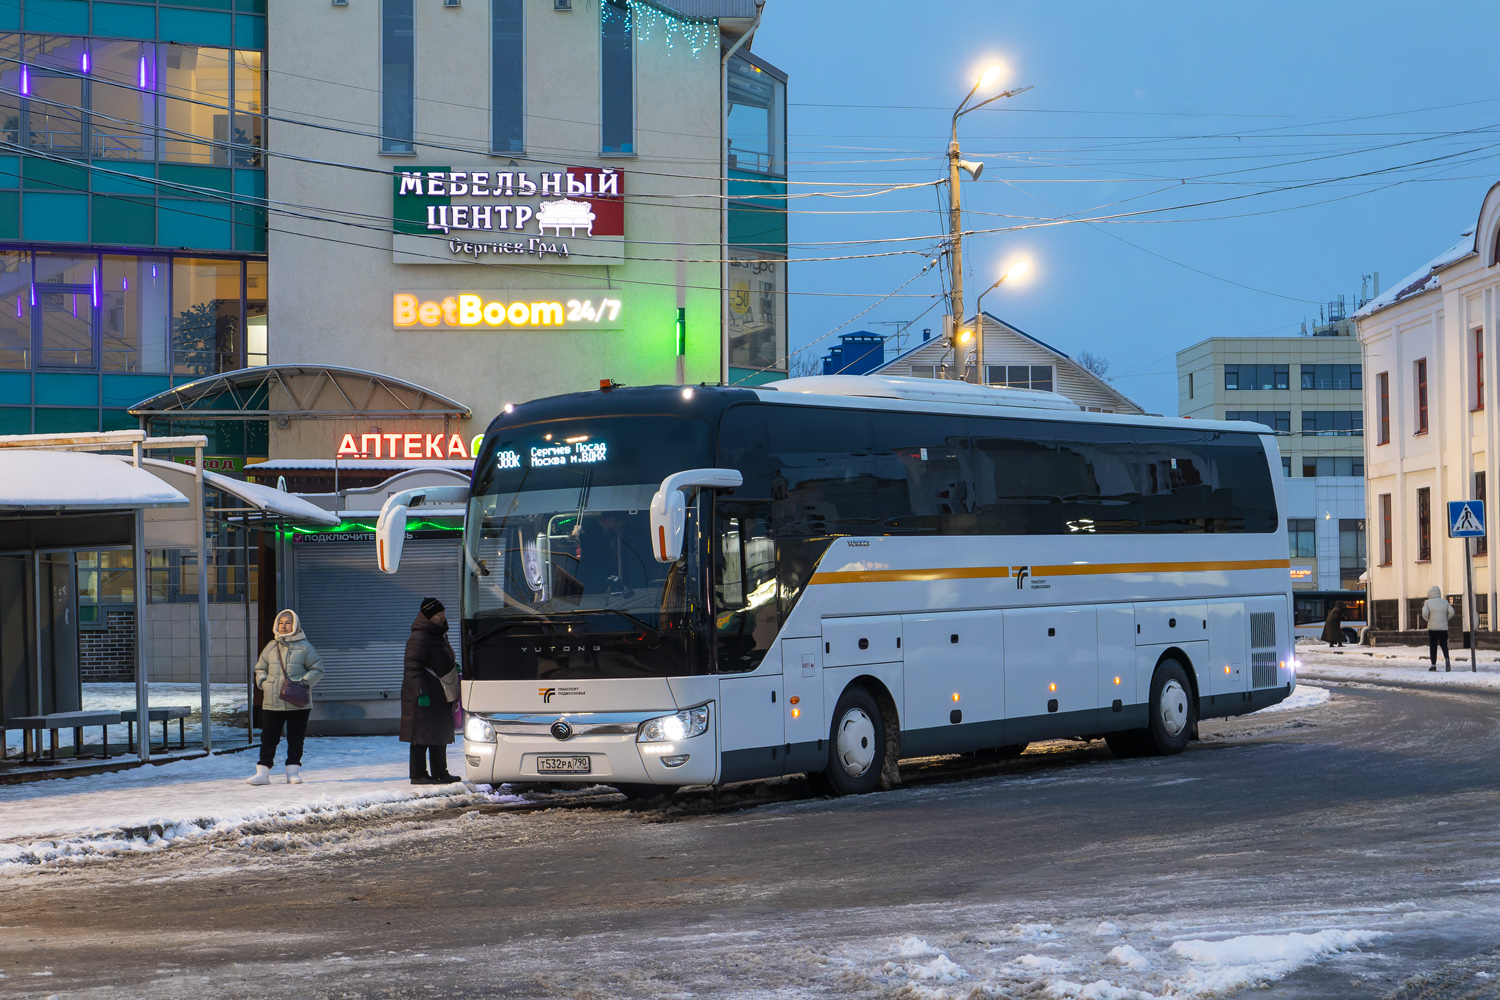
(667, 586)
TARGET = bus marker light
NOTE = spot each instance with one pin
(955, 696)
(796, 713)
(1051, 687)
(1226, 668)
(1117, 680)
(795, 700)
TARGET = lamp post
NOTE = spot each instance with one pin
(1017, 269)
(956, 162)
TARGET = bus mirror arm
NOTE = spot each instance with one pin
(390, 530)
(669, 507)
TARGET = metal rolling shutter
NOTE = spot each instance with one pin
(359, 618)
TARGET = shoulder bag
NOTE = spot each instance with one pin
(292, 692)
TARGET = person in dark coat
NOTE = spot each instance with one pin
(426, 714)
(1333, 626)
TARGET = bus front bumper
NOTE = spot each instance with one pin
(598, 748)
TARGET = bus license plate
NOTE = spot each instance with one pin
(562, 765)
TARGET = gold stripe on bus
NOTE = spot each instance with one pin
(1071, 569)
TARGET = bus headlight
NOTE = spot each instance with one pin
(682, 725)
(477, 730)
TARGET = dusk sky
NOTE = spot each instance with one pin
(1271, 154)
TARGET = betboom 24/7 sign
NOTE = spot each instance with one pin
(549, 309)
(573, 215)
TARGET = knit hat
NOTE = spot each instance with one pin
(431, 606)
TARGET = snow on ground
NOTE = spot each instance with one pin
(348, 779)
(1402, 664)
(226, 706)
(1162, 959)
(1305, 696)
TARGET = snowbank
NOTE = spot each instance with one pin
(149, 808)
(1403, 664)
(1305, 696)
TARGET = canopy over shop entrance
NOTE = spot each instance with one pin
(297, 392)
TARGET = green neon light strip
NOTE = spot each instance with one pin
(357, 526)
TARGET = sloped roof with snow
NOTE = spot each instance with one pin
(69, 480)
(1423, 279)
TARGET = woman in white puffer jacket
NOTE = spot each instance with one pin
(1436, 612)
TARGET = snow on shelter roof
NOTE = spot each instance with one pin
(281, 506)
(66, 480)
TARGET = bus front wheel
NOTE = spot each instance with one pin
(857, 742)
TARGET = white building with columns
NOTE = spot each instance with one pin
(1430, 417)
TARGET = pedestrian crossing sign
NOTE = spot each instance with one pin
(1466, 519)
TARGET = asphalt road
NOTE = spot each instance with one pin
(1376, 812)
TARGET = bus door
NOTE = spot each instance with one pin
(803, 717)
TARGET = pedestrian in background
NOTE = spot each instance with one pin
(426, 709)
(288, 668)
(1333, 625)
(1436, 612)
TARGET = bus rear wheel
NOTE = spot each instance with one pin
(856, 744)
(1174, 713)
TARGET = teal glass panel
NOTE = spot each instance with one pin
(124, 222)
(250, 228)
(66, 389)
(119, 20)
(107, 179)
(10, 15)
(757, 227)
(215, 4)
(127, 390)
(54, 175)
(15, 388)
(58, 17)
(120, 420)
(15, 420)
(249, 31)
(50, 420)
(194, 27)
(250, 182)
(197, 225)
(216, 178)
(253, 6)
(10, 171)
(10, 215)
(55, 218)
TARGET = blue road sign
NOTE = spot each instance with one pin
(1466, 519)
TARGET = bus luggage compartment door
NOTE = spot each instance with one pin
(1177, 622)
(954, 673)
(805, 721)
(1051, 672)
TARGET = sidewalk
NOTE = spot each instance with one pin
(348, 779)
(1402, 664)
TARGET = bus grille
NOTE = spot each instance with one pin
(1263, 669)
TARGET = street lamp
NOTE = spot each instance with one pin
(1016, 270)
(956, 162)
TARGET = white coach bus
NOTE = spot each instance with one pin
(665, 586)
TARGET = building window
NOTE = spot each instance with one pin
(133, 314)
(1286, 466)
(1333, 465)
(257, 346)
(206, 318)
(616, 78)
(1256, 377)
(1335, 423)
(1190, 385)
(757, 118)
(1482, 543)
(1383, 392)
(1301, 534)
(1332, 377)
(507, 77)
(1279, 421)
(757, 310)
(397, 77)
(1351, 551)
(1019, 376)
(924, 371)
(1385, 529)
(1421, 380)
(1478, 360)
(1424, 524)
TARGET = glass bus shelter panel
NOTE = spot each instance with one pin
(61, 690)
(17, 678)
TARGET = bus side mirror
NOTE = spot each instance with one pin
(669, 507)
(390, 530)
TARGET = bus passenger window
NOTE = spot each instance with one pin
(746, 612)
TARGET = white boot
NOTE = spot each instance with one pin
(262, 776)
(294, 774)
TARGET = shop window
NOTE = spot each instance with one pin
(757, 311)
(15, 310)
(122, 79)
(256, 344)
(1383, 614)
(205, 316)
(1424, 524)
(1302, 538)
(757, 119)
(133, 314)
(507, 77)
(397, 76)
(617, 78)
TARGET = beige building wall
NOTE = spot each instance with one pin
(332, 274)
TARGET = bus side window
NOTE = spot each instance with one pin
(746, 614)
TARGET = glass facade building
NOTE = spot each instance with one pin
(132, 204)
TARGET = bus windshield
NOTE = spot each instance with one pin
(543, 553)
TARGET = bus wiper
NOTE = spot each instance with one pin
(625, 615)
(510, 624)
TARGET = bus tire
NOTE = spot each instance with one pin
(1173, 709)
(856, 743)
(1130, 743)
(1351, 636)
